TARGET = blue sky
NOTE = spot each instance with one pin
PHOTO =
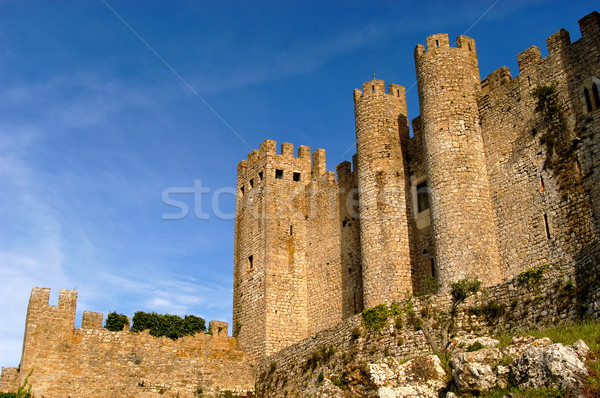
(94, 127)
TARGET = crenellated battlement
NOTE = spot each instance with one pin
(45, 315)
(40, 298)
(557, 44)
(266, 163)
(377, 88)
(441, 42)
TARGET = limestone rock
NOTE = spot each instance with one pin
(520, 344)
(418, 378)
(581, 349)
(460, 344)
(471, 375)
(554, 366)
(328, 390)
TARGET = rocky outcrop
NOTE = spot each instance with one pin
(527, 361)
(419, 378)
(554, 366)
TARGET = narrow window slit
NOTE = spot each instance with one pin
(250, 262)
(242, 190)
(588, 100)
(437, 43)
(260, 176)
(547, 226)
(422, 197)
(251, 183)
(291, 230)
(596, 95)
(542, 186)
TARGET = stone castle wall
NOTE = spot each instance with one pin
(341, 352)
(462, 217)
(92, 361)
(381, 120)
(297, 250)
(488, 186)
(544, 212)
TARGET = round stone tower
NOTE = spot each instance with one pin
(381, 121)
(464, 228)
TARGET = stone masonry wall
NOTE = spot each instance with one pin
(462, 218)
(545, 199)
(422, 246)
(68, 361)
(9, 379)
(381, 122)
(324, 263)
(270, 291)
(341, 352)
(349, 223)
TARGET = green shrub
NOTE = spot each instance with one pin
(464, 288)
(492, 311)
(237, 328)
(167, 325)
(375, 318)
(532, 275)
(23, 391)
(115, 322)
(320, 378)
(476, 346)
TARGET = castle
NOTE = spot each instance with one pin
(478, 191)
(500, 175)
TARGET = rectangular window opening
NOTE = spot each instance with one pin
(547, 226)
(422, 197)
(279, 174)
(251, 263)
(588, 100)
(296, 176)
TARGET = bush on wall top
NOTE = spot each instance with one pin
(171, 326)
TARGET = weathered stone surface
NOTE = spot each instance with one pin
(420, 377)
(554, 366)
(472, 371)
(459, 344)
(581, 349)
